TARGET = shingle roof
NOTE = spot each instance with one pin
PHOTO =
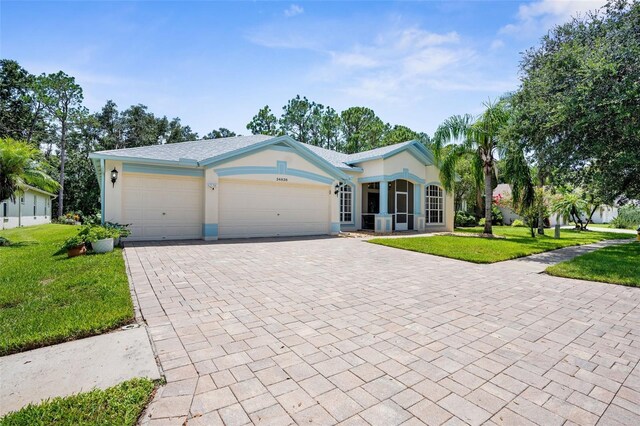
(201, 150)
(337, 159)
(378, 152)
(193, 150)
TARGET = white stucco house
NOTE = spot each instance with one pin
(31, 207)
(603, 214)
(265, 186)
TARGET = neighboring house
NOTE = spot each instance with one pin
(603, 214)
(32, 207)
(264, 186)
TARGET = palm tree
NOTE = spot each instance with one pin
(476, 137)
(18, 168)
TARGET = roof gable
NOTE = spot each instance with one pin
(414, 147)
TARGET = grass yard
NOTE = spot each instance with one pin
(517, 243)
(119, 405)
(619, 264)
(46, 298)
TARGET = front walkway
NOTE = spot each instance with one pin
(78, 366)
(338, 330)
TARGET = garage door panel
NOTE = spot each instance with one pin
(162, 207)
(259, 209)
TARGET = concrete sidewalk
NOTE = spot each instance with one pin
(76, 366)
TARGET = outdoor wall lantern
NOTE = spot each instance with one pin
(212, 186)
(114, 176)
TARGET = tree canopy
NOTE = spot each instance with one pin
(579, 103)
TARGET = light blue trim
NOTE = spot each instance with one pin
(296, 146)
(388, 224)
(415, 147)
(209, 229)
(280, 169)
(308, 175)
(400, 175)
(417, 191)
(102, 197)
(177, 171)
(352, 169)
(335, 227)
(384, 198)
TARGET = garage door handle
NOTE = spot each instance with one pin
(163, 214)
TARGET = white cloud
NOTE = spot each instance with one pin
(539, 16)
(400, 64)
(293, 10)
(497, 44)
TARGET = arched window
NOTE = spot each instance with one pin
(346, 213)
(434, 204)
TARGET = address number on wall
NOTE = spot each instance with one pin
(282, 179)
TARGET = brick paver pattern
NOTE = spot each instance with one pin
(336, 330)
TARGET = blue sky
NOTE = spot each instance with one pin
(214, 64)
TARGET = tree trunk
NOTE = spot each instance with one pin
(488, 200)
(63, 135)
(590, 217)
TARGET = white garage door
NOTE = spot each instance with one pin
(162, 207)
(264, 209)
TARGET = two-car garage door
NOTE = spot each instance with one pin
(171, 207)
(267, 209)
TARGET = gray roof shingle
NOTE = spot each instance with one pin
(201, 150)
(193, 150)
(378, 152)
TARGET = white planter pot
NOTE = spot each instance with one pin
(103, 246)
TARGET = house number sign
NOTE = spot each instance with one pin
(282, 179)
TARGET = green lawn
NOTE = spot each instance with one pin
(517, 243)
(619, 264)
(46, 298)
(119, 405)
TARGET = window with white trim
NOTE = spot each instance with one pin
(346, 205)
(434, 204)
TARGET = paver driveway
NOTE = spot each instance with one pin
(335, 330)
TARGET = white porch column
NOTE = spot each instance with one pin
(418, 202)
(383, 220)
(210, 215)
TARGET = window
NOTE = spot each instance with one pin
(4, 209)
(434, 204)
(346, 213)
(35, 204)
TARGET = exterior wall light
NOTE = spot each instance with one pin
(114, 176)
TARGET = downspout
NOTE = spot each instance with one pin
(20, 211)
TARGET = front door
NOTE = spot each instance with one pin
(402, 208)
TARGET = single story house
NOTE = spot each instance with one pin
(603, 214)
(265, 186)
(31, 207)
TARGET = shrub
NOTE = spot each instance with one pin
(628, 217)
(465, 219)
(518, 223)
(496, 216)
(4, 242)
(482, 221)
(122, 230)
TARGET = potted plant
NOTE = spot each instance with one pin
(122, 231)
(75, 246)
(101, 238)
